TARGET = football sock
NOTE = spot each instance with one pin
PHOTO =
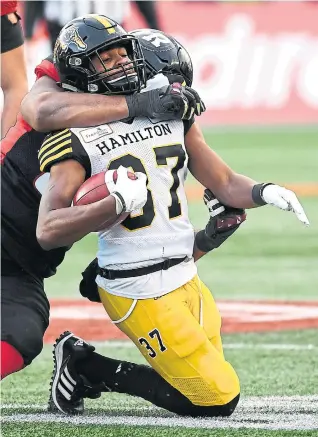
(11, 360)
(143, 381)
(125, 377)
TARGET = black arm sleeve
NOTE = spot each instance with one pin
(33, 11)
(148, 10)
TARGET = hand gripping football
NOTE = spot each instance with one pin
(95, 189)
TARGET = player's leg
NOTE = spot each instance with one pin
(14, 82)
(153, 340)
(167, 331)
(24, 319)
(80, 373)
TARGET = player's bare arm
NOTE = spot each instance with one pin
(47, 107)
(213, 173)
(231, 188)
(14, 82)
(59, 224)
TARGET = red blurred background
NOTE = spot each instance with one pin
(255, 62)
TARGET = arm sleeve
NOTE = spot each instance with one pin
(46, 68)
(60, 146)
(187, 125)
(148, 10)
(33, 11)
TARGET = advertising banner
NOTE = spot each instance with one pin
(254, 62)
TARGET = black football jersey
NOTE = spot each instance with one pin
(21, 185)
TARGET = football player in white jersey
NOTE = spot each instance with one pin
(147, 276)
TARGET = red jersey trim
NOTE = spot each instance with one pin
(16, 132)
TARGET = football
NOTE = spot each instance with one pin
(95, 189)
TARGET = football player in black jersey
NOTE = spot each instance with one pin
(25, 265)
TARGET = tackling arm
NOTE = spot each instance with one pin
(47, 107)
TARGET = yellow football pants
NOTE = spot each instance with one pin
(179, 336)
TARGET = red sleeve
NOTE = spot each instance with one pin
(46, 68)
(8, 7)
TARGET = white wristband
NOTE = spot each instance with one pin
(119, 205)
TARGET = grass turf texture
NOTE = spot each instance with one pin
(64, 430)
(273, 256)
(263, 372)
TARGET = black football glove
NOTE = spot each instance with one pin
(173, 101)
(88, 287)
(197, 103)
(224, 221)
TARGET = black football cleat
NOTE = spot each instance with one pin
(68, 388)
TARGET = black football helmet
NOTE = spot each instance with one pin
(85, 38)
(164, 54)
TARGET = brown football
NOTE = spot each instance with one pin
(95, 189)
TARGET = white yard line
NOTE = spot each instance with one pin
(296, 422)
(269, 402)
(294, 412)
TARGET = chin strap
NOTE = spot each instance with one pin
(69, 87)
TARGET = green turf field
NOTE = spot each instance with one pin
(273, 256)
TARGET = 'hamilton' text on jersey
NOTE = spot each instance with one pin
(110, 143)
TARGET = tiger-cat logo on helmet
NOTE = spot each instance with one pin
(71, 35)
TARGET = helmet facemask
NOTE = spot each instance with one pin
(125, 78)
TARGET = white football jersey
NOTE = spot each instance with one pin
(162, 228)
